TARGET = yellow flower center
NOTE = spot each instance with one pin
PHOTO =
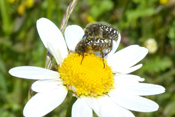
(88, 78)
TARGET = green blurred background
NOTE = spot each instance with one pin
(149, 23)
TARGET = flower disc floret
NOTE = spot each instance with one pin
(86, 76)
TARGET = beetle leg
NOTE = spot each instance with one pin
(94, 38)
(102, 57)
(82, 58)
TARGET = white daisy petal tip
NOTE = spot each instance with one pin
(50, 33)
(16, 72)
(142, 89)
(141, 79)
(163, 88)
(146, 50)
(73, 34)
(133, 102)
(160, 89)
(39, 25)
(41, 20)
(143, 50)
(30, 72)
(131, 55)
(12, 71)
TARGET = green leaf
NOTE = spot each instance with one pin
(100, 8)
(135, 14)
(171, 34)
(157, 65)
(6, 16)
(170, 109)
(3, 86)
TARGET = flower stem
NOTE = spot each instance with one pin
(66, 16)
(48, 61)
(68, 114)
(70, 8)
(49, 9)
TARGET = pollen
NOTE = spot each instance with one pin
(87, 76)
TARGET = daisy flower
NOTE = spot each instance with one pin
(151, 45)
(109, 92)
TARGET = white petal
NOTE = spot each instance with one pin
(93, 103)
(119, 53)
(115, 46)
(133, 102)
(126, 70)
(127, 80)
(49, 33)
(45, 85)
(81, 109)
(56, 53)
(126, 112)
(116, 110)
(73, 34)
(142, 89)
(42, 103)
(96, 106)
(29, 72)
(127, 57)
(109, 108)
